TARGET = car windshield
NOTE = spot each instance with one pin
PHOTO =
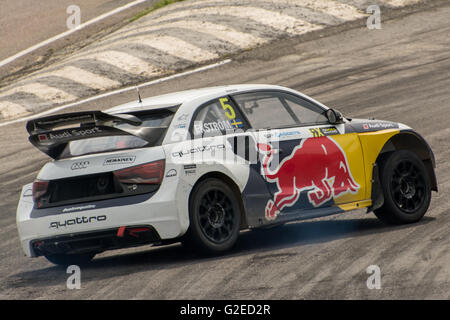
(118, 142)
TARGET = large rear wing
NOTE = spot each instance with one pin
(51, 134)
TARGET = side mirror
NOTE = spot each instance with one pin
(334, 116)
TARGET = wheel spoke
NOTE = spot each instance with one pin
(228, 226)
(407, 186)
(225, 231)
(396, 187)
(210, 198)
(216, 215)
(203, 209)
(410, 204)
(410, 168)
(222, 200)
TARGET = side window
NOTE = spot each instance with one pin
(265, 110)
(278, 109)
(305, 111)
(217, 118)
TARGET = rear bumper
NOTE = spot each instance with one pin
(95, 241)
(166, 217)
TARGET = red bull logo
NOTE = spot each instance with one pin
(317, 166)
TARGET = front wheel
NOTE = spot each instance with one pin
(214, 214)
(406, 188)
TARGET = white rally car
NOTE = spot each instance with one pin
(198, 166)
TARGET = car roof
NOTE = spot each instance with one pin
(180, 97)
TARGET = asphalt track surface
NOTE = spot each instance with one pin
(25, 23)
(399, 73)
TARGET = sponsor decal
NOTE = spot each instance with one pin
(77, 220)
(189, 169)
(287, 134)
(80, 208)
(229, 111)
(321, 132)
(317, 166)
(236, 123)
(73, 133)
(42, 137)
(183, 117)
(200, 128)
(198, 149)
(277, 134)
(119, 160)
(28, 193)
(329, 131)
(79, 165)
(379, 125)
(171, 173)
(180, 126)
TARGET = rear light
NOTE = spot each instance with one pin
(149, 173)
(39, 189)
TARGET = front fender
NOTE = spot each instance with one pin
(376, 143)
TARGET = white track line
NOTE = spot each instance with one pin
(222, 32)
(204, 68)
(65, 34)
(121, 60)
(175, 47)
(400, 3)
(84, 77)
(42, 91)
(126, 62)
(10, 109)
(270, 18)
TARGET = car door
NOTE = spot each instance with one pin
(307, 164)
(219, 124)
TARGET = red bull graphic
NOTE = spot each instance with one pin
(318, 166)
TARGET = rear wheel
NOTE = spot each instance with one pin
(214, 217)
(406, 188)
(69, 259)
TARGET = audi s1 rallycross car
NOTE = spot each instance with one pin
(198, 166)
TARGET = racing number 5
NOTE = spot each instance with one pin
(229, 111)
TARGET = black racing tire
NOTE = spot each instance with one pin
(406, 188)
(70, 259)
(214, 218)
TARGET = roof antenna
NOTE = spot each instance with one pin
(139, 94)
